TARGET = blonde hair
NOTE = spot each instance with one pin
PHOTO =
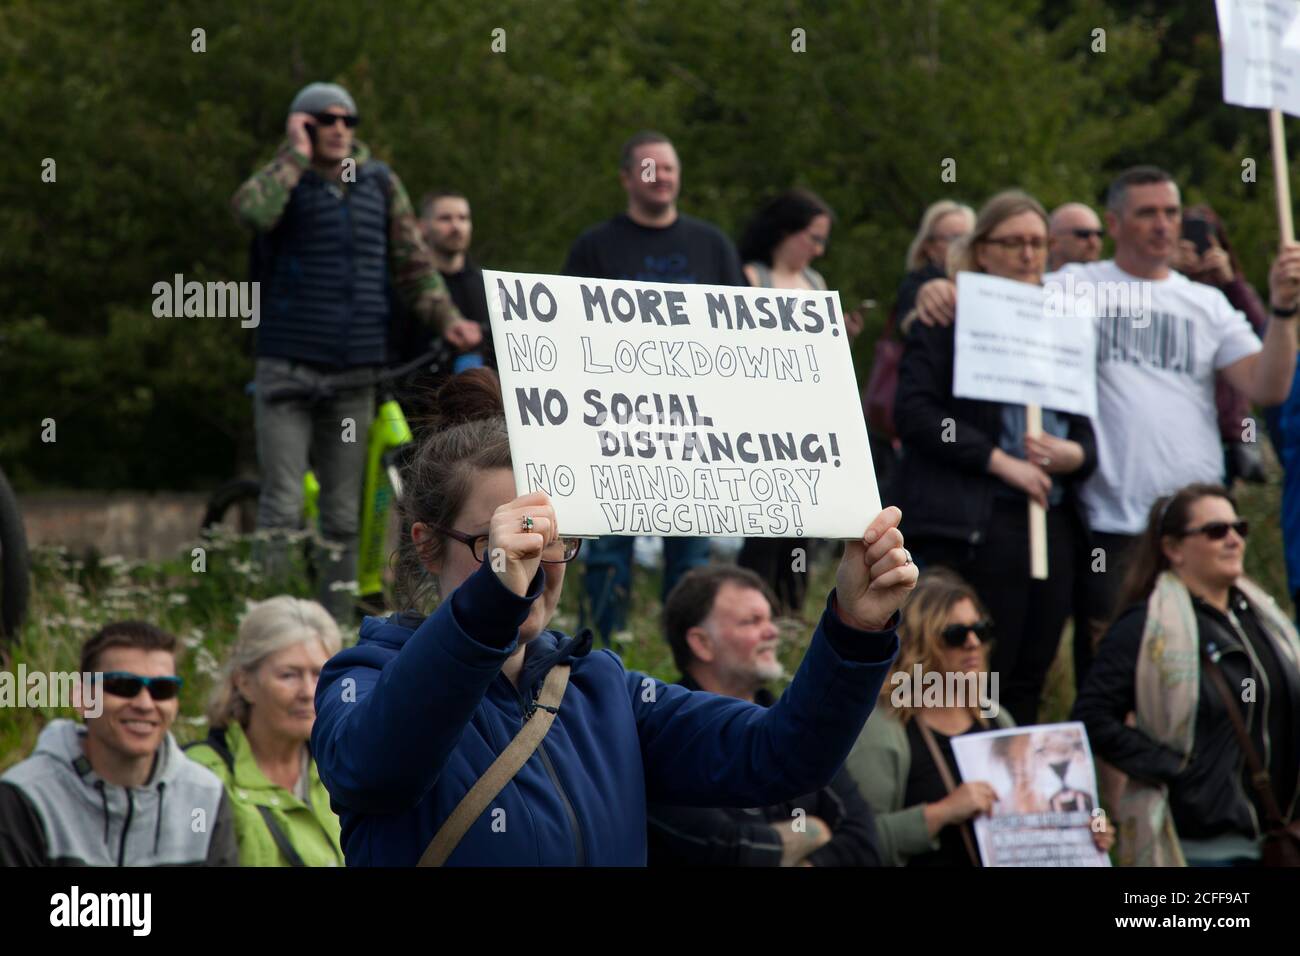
(1005, 205)
(270, 626)
(936, 211)
(920, 632)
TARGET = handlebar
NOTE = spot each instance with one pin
(342, 381)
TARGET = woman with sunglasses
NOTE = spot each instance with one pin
(259, 719)
(921, 820)
(969, 469)
(1191, 617)
(412, 718)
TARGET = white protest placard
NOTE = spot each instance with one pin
(1024, 344)
(1047, 795)
(1261, 53)
(682, 410)
(1261, 68)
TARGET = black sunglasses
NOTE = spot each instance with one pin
(1087, 233)
(126, 684)
(327, 119)
(561, 551)
(954, 635)
(1218, 530)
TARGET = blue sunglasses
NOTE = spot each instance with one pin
(126, 684)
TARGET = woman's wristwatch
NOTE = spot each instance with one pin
(1284, 313)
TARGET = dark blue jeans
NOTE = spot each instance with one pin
(608, 579)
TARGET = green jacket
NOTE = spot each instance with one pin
(879, 763)
(312, 831)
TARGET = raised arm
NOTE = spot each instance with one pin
(260, 201)
(700, 749)
(1266, 375)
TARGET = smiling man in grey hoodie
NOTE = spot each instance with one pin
(117, 790)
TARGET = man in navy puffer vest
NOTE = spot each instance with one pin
(339, 237)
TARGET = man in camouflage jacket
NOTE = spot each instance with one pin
(337, 240)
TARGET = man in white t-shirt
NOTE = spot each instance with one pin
(1160, 339)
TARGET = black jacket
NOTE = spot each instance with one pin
(943, 487)
(910, 287)
(1212, 796)
(693, 836)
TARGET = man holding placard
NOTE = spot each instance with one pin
(651, 241)
(1160, 339)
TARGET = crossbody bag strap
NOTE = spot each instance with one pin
(949, 784)
(281, 840)
(501, 772)
(1259, 777)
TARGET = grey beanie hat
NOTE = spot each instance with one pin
(317, 97)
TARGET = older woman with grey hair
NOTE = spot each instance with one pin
(260, 719)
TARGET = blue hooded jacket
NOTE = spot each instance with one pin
(413, 715)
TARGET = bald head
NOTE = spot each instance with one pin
(1073, 235)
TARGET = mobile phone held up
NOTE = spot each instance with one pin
(1197, 232)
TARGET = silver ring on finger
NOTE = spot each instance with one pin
(909, 557)
(1044, 461)
(527, 523)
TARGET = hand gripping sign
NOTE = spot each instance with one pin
(682, 410)
(1261, 68)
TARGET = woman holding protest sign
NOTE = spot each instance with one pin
(778, 247)
(478, 737)
(970, 467)
(903, 761)
(1211, 667)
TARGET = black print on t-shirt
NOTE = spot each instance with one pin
(1160, 340)
(669, 268)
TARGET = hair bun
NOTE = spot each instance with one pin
(472, 395)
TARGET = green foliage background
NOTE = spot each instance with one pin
(151, 139)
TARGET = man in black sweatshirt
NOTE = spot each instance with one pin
(650, 242)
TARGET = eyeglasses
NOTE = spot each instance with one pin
(1218, 530)
(1013, 243)
(126, 684)
(1087, 233)
(560, 551)
(819, 241)
(327, 120)
(954, 635)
